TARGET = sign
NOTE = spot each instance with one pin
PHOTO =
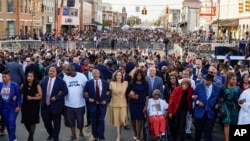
(207, 11)
(50, 19)
(239, 132)
(68, 20)
(37, 21)
(137, 9)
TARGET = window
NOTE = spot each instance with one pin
(10, 5)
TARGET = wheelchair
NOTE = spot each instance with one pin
(146, 132)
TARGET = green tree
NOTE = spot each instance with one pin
(133, 20)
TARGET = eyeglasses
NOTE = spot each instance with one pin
(150, 64)
(210, 72)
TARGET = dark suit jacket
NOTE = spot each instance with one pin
(129, 67)
(77, 67)
(59, 90)
(104, 71)
(158, 84)
(16, 72)
(209, 104)
(86, 73)
(14, 91)
(203, 71)
(90, 89)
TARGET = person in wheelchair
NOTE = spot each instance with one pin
(156, 112)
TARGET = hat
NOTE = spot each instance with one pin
(28, 59)
(209, 77)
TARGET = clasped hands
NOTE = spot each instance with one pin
(133, 95)
(102, 102)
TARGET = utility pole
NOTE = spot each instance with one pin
(81, 15)
(18, 17)
(56, 16)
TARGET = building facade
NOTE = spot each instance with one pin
(71, 16)
(87, 17)
(48, 15)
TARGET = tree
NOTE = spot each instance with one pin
(158, 22)
(133, 20)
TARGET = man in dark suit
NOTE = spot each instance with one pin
(205, 96)
(52, 104)
(198, 69)
(32, 67)
(16, 71)
(76, 64)
(154, 82)
(97, 93)
(89, 75)
(103, 69)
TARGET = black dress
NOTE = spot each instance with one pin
(30, 108)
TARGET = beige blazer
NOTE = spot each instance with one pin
(118, 94)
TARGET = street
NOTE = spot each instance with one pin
(110, 132)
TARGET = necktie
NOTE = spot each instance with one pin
(48, 93)
(152, 83)
(97, 91)
(207, 92)
(198, 72)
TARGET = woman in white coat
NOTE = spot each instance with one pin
(244, 102)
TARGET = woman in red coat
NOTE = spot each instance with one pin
(180, 103)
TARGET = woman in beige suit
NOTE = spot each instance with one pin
(118, 103)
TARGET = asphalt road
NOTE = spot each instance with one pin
(110, 132)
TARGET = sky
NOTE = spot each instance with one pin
(154, 7)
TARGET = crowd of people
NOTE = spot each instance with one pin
(133, 85)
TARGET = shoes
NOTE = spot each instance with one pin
(71, 138)
(81, 137)
(49, 138)
(2, 133)
(189, 136)
(96, 139)
(126, 127)
(87, 125)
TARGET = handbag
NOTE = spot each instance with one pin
(221, 113)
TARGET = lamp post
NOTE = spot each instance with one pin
(218, 19)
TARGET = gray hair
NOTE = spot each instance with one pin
(156, 91)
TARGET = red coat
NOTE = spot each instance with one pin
(175, 99)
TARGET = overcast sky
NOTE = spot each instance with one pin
(154, 7)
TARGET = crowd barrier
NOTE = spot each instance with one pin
(19, 44)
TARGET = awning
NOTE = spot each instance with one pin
(227, 22)
(96, 23)
(181, 24)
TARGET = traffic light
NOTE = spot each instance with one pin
(32, 5)
(144, 11)
(167, 9)
(40, 6)
(247, 5)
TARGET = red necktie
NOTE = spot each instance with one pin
(97, 91)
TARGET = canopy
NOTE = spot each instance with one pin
(125, 27)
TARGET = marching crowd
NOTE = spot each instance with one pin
(133, 85)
